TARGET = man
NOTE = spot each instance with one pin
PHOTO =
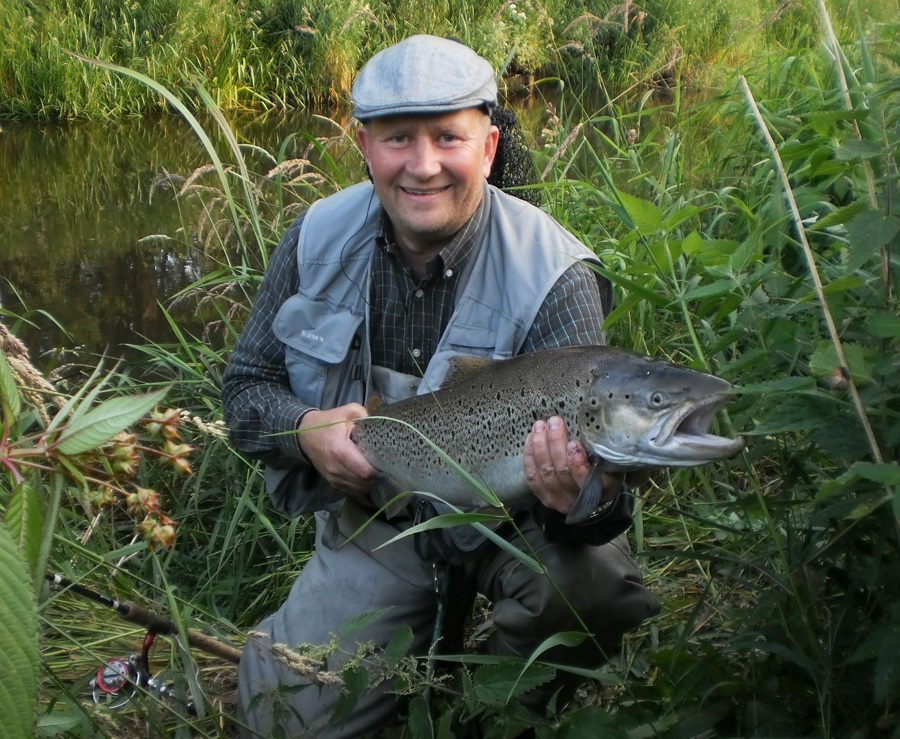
(370, 293)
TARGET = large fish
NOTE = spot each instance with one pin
(630, 412)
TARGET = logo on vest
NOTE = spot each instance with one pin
(310, 335)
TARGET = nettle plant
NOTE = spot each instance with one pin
(77, 453)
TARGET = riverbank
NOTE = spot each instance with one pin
(262, 54)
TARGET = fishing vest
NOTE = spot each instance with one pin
(324, 326)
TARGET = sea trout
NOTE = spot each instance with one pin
(629, 411)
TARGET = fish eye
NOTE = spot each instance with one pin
(657, 399)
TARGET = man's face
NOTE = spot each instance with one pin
(429, 172)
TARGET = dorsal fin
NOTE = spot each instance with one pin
(463, 366)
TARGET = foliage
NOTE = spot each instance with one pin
(777, 571)
(799, 548)
(80, 458)
(263, 54)
(19, 670)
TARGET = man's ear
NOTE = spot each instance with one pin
(362, 138)
(490, 149)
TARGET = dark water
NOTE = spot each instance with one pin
(88, 247)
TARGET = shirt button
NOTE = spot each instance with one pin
(448, 273)
(420, 292)
(417, 353)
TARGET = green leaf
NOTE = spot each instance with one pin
(839, 216)
(106, 420)
(885, 473)
(589, 723)
(824, 360)
(359, 623)
(784, 385)
(852, 150)
(883, 325)
(398, 646)
(473, 519)
(867, 233)
(562, 639)
(19, 667)
(692, 243)
(711, 290)
(356, 683)
(9, 390)
(420, 724)
(498, 684)
(23, 519)
(646, 217)
(58, 722)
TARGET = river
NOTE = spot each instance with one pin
(91, 245)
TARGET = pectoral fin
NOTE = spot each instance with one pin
(589, 498)
(386, 488)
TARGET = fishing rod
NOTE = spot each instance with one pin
(154, 623)
(118, 679)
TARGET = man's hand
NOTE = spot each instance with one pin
(556, 467)
(324, 437)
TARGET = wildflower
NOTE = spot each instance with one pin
(124, 455)
(164, 423)
(142, 500)
(164, 535)
(178, 453)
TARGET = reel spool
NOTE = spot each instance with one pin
(115, 684)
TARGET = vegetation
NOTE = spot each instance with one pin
(750, 231)
(282, 53)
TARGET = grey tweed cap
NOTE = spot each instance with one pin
(421, 75)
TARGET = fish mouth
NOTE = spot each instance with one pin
(683, 437)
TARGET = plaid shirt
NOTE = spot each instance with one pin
(409, 316)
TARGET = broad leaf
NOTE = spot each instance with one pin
(590, 722)
(853, 150)
(23, 519)
(824, 360)
(100, 424)
(646, 216)
(497, 684)
(9, 390)
(398, 647)
(420, 724)
(19, 666)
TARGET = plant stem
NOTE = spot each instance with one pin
(817, 281)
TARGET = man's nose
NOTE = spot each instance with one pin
(425, 161)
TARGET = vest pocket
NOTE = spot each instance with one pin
(478, 341)
(317, 336)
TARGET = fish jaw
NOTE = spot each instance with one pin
(682, 438)
(656, 416)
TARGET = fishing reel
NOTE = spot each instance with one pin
(118, 681)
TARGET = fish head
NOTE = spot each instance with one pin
(645, 412)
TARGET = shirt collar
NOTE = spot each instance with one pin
(454, 256)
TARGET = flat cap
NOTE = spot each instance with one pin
(423, 74)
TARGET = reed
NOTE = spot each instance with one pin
(264, 54)
(776, 571)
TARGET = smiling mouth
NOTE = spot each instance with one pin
(424, 191)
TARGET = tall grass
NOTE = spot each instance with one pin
(777, 572)
(275, 53)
